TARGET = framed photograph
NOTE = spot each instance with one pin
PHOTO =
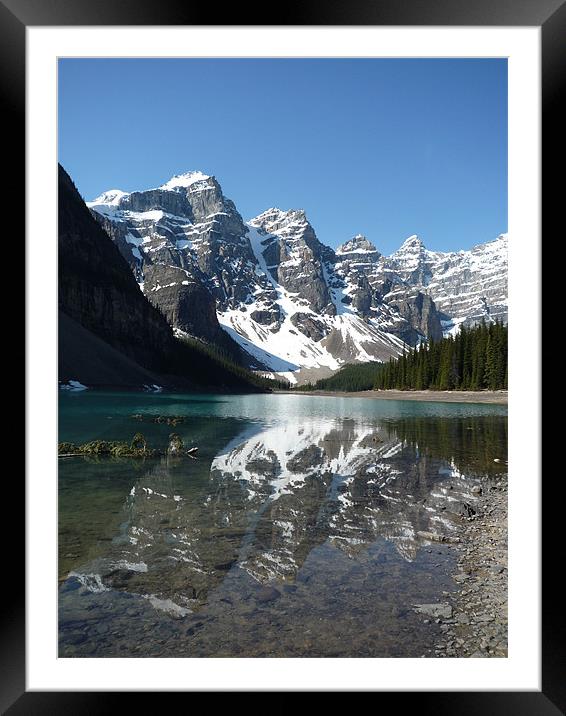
(270, 270)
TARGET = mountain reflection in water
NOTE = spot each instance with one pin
(278, 495)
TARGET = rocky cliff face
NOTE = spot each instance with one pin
(466, 286)
(97, 290)
(294, 257)
(292, 304)
(369, 287)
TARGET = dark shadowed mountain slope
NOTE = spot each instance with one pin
(97, 288)
(85, 357)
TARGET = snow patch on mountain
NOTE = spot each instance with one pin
(184, 181)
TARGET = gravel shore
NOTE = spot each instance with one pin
(478, 623)
(437, 396)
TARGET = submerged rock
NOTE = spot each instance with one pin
(443, 611)
(138, 442)
(175, 444)
(435, 537)
(267, 594)
(160, 419)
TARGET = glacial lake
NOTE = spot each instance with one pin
(297, 531)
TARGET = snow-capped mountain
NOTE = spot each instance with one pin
(269, 286)
(466, 286)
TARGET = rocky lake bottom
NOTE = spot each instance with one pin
(305, 527)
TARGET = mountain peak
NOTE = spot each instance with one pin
(413, 242)
(276, 213)
(184, 181)
(274, 218)
(358, 244)
(112, 197)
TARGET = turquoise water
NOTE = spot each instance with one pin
(294, 533)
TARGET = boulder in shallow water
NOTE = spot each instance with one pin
(138, 442)
(443, 611)
(175, 446)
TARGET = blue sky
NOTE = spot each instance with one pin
(382, 147)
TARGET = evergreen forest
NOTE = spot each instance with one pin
(474, 359)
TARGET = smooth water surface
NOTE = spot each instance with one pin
(294, 533)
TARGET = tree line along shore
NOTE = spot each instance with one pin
(475, 359)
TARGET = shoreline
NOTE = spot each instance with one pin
(478, 627)
(497, 397)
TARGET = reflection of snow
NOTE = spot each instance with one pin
(73, 385)
(285, 455)
(92, 582)
(365, 486)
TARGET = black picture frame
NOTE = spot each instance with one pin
(550, 15)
